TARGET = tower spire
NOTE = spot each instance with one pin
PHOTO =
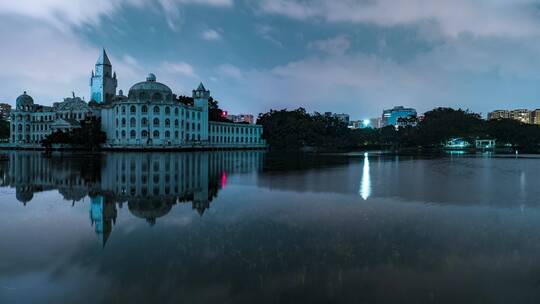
(103, 58)
(103, 82)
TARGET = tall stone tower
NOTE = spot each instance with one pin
(200, 100)
(103, 82)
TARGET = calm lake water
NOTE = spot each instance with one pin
(252, 227)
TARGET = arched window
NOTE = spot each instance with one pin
(176, 134)
(19, 128)
(133, 134)
(144, 122)
(144, 109)
(167, 123)
(123, 110)
(123, 134)
(167, 110)
(176, 123)
(156, 122)
(132, 122)
(123, 122)
(156, 134)
(156, 110)
(167, 134)
(133, 110)
(175, 111)
(144, 133)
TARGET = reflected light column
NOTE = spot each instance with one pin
(365, 183)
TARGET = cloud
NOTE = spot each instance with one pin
(179, 68)
(49, 63)
(451, 17)
(265, 31)
(230, 71)
(211, 35)
(80, 12)
(469, 72)
(335, 46)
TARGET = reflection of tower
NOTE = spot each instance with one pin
(365, 184)
(201, 200)
(103, 216)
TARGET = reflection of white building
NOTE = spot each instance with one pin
(150, 183)
(150, 116)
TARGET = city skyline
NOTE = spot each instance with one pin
(347, 56)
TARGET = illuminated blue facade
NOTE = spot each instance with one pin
(103, 82)
(390, 117)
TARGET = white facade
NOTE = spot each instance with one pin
(31, 123)
(150, 116)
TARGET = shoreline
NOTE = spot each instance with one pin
(62, 148)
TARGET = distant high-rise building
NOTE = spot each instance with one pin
(345, 118)
(376, 123)
(390, 117)
(535, 117)
(521, 115)
(355, 124)
(242, 118)
(5, 110)
(499, 114)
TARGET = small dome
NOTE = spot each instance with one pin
(150, 90)
(24, 100)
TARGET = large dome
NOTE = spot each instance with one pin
(150, 90)
(24, 100)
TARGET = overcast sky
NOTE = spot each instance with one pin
(352, 56)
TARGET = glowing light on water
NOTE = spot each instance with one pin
(365, 183)
(223, 179)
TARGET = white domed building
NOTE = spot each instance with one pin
(149, 117)
(31, 123)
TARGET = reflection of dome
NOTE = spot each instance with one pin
(72, 194)
(24, 100)
(24, 195)
(150, 90)
(150, 209)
